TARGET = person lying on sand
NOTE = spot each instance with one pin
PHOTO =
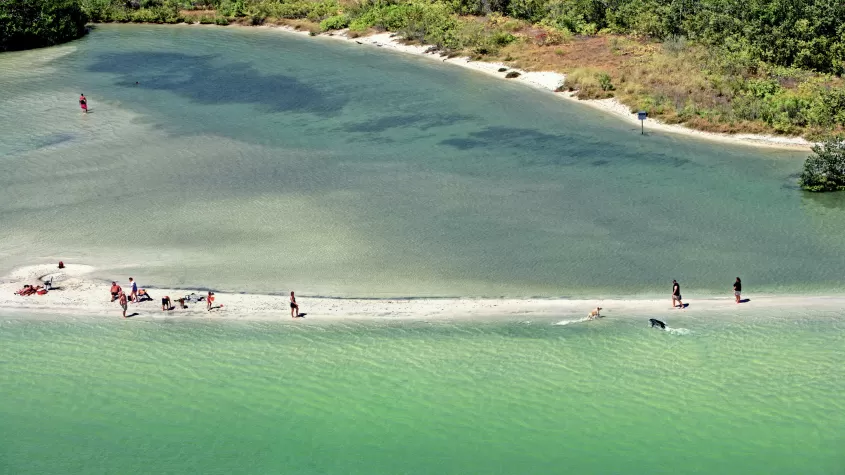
(26, 290)
(115, 291)
(31, 290)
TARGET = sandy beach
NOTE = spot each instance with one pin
(552, 81)
(79, 295)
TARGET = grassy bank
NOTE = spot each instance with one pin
(715, 65)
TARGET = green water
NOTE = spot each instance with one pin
(252, 160)
(730, 394)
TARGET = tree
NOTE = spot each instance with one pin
(28, 24)
(825, 169)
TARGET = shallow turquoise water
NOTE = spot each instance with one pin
(255, 160)
(733, 395)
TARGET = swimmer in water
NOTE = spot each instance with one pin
(83, 103)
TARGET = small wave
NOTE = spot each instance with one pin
(678, 331)
(569, 322)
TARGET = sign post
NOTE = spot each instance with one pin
(642, 115)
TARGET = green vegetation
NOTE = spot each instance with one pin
(28, 24)
(760, 66)
(825, 169)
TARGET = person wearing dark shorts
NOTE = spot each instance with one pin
(737, 289)
(115, 291)
(294, 308)
(676, 294)
(165, 303)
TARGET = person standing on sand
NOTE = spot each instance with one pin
(737, 289)
(83, 103)
(676, 294)
(294, 308)
(133, 290)
(209, 300)
(122, 300)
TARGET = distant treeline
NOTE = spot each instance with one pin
(28, 24)
(808, 34)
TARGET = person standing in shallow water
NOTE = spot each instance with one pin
(737, 289)
(83, 103)
(294, 308)
(676, 294)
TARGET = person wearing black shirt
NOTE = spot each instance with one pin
(737, 289)
(676, 294)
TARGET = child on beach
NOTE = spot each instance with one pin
(210, 300)
(83, 103)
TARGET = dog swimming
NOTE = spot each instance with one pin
(656, 323)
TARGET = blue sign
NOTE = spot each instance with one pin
(642, 115)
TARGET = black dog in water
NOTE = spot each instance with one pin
(657, 323)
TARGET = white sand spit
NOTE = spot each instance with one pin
(80, 296)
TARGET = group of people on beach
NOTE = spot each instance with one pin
(676, 293)
(141, 295)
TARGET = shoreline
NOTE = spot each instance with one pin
(78, 295)
(546, 81)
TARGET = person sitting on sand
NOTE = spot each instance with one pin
(143, 296)
(210, 300)
(123, 303)
(115, 291)
(165, 303)
(294, 308)
(182, 303)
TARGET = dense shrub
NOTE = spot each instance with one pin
(336, 22)
(825, 169)
(34, 23)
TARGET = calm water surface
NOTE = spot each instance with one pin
(255, 160)
(734, 395)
